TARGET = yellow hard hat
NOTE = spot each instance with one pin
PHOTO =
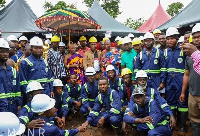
(93, 39)
(82, 38)
(19, 45)
(190, 39)
(126, 71)
(120, 42)
(55, 38)
(136, 41)
(105, 38)
(156, 31)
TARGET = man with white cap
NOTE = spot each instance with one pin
(62, 48)
(89, 91)
(10, 124)
(43, 106)
(35, 68)
(22, 43)
(156, 34)
(10, 92)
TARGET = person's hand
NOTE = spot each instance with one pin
(182, 97)
(124, 108)
(89, 109)
(188, 48)
(78, 103)
(37, 124)
(172, 122)
(100, 122)
(147, 119)
(161, 86)
(103, 109)
(52, 94)
(85, 124)
(59, 122)
(81, 129)
(63, 121)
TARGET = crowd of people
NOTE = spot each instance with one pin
(149, 82)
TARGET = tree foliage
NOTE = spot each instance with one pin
(2, 3)
(110, 6)
(48, 6)
(174, 8)
(135, 24)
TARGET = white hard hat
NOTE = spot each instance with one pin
(57, 82)
(12, 38)
(172, 31)
(41, 103)
(61, 44)
(141, 38)
(47, 41)
(148, 35)
(23, 38)
(36, 41)
(33, 86)
(141, 73)
(126, 40)
(90, 71)
(130, 35)
(10, 124)
(110, 67)
(196, 28)
(118, 38)
(4, 44)
(181, 39)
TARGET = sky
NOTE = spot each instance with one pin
(130, 8)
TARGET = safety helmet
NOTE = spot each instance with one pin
(23, 38)
(4, 44)
(41, 103)
(171, 31)
(110, 67)
(36, 41)
(196, 28)
(61, 44)
(120, 42)
(126, 71)
(47, 41)
(55, 38)
(136, 41)
(130, 35)
(190, 39)
(117, 38)
(181, 39)
(90, 71)
(141, 73)
(93, 39)
(82, 38)
(156, 31)
(148, 35)
(105, 39)
(138, 90)
(141, 38)
(126, 40)
(12, 38)
(57, 82)
(10, 124)
(33, 86)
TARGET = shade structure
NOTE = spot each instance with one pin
(159, 17)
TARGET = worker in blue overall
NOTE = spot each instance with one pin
(10, 92)
(175, 64)
(114, 81)
(89, 91)
(43, 105)
(107, 107)
(147, 115)
(152, 61)
(60, 95)
(35, 68)
(126, 88)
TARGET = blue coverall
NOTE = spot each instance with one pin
(160, 125)
(117, 83)
(10, 92)
(89, 92)
(175, 64)
(50, 129)
(154, 66)
(33, 69)
(112, 107)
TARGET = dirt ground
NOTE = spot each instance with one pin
(77, 120)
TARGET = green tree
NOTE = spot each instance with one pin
(48, 6)
(135, 24)
(2, 3)
(174, 8)
(110, 6)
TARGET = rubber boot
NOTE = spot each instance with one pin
(182, 121)
(195, 129)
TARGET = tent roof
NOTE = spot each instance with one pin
(106, 21)
(17, 17)
(189, 15)
(159, 17)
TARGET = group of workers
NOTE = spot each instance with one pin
(146, 83)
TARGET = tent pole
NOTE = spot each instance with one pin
(69, 31)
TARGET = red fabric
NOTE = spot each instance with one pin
(159, 17)
(128, 93)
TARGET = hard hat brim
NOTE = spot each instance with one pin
(51, 105)
(21, 129)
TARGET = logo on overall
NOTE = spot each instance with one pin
(46, 70)
(14, 82)
(180, 60)
(155, 61)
